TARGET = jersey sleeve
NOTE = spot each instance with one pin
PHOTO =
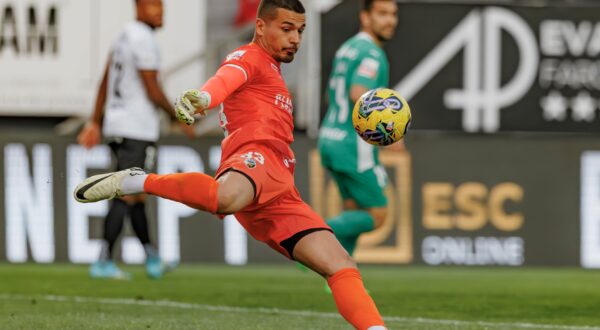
(368, 72)
(245, 61)
(145, 51)
(226, 81)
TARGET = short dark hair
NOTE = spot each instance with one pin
(367, 5)
(267, 8)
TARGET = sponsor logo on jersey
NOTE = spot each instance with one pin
(284, 102)
(368, 68)
(289, 162)
(235, 55)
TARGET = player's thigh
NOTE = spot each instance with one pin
(282, 223)
(236, 191)
(323, 253)
(367, 188)
(311, 241)
(265, 169)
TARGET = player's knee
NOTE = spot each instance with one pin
(350, 204)
(339, 264)
(129, 199)
(235, 192)
(379, 215)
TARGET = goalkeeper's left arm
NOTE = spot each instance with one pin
(226, 81)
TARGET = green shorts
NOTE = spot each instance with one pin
(366, 189)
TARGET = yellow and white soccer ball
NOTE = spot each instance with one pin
(381, 117)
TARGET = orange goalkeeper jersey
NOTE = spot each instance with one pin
(261, 108)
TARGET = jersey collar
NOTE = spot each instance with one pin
(264, 52)
(365, 36)
(144, 25)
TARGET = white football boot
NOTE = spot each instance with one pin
(104, 186)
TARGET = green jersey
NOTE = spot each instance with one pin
(359, 61)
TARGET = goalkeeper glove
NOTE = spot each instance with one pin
(191, 102)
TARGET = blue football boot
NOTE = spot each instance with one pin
(154, 267)
(108, 269)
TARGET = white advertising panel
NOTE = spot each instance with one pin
(53, 52)
(590, 209)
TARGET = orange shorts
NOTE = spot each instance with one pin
(278, 216)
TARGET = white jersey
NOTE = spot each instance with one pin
(129, 112)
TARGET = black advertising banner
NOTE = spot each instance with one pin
(496, 200)
(505, 200)
(457, 199)
(41, 222)
(490, 68)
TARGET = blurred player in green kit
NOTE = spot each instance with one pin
(360, 65)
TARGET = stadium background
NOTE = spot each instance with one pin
(504, 158)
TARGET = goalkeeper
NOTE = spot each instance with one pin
(255, 180)
(360, 65)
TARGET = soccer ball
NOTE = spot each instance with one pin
(381, 117)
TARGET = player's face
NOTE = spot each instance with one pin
(151, 12)
(283, 34)
(382, 19)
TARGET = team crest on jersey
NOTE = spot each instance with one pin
(250, 163)
(252, 158)
(235, 55)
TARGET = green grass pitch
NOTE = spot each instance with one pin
(282, 297)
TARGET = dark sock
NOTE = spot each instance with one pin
(139, 222)
(150, 250)
(104, 254)
(349, 225)
(113, 224)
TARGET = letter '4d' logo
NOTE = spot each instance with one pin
(252, 158)
(485, 93)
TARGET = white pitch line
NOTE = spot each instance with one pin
(304, 313)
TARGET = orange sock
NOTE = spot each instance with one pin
(196, 190)
(352, 300)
